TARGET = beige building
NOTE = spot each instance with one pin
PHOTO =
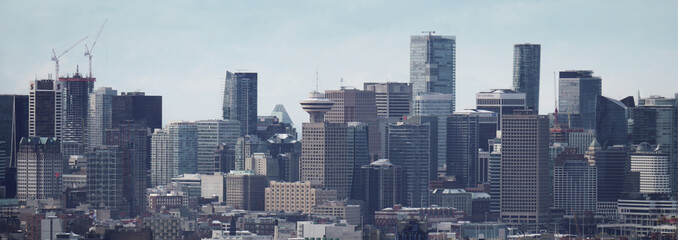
(245, 190)
(296, 196)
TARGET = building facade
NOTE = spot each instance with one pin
(246, 191)
(105, 179)
(383, 186)
(13, 127)
(433, 65)
(240, 100)
(438, 105)
(46, 105)
(526, 68)
(392, 98)
(77, 90)
(653, 166)
(352, 105)
(577, 94)
(296, 196)
(501, 101)
(409, 147)
(39, 167)
(611, 122)
(211, 133)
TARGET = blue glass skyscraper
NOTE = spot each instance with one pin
(526, 65)
(433, 64)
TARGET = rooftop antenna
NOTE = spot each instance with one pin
(341, 83)
(88, 51)
(55, 58)
(555, 99)
(316, 81)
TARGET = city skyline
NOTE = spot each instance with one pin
(144, 46)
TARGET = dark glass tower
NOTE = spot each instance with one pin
(577, 94)
(526, 65)
(359, 151)
(13, 127)
(611, 122)
(410, 147)
(76, 103)
(134, 141)
(240, 100)
(383, 186)
(45, 108)
(433, 64)
(143, 110)
(466, 132)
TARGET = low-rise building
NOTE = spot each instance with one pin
(342, 230)
(296, 196)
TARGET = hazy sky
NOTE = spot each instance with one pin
(182, 49)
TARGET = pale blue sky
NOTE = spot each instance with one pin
(182, 49)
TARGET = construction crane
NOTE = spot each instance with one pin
(55, 58)
(88, 51)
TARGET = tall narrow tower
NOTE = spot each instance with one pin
(240, 100)
(325, 158)
(433, 64)
(526, 66)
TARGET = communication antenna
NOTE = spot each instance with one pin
(316, 81)
(341, 83)
(555, 100)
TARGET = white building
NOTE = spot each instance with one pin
(342, 230)
(653, 166)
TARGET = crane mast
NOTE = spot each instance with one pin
(55, 58)
(88, 51)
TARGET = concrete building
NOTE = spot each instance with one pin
(105, 180)
(245, 146)
(501, 101)
(39, 168)
(577, 94)
(437, 105)
(392, 98)
(352, 105)
(456, 198)
(246, 191)
(212, 133)
(164, 227)
(263, 164)
(340, 209)
(296, 196)
(240, 100)
(45, 112)
(524, 170)
(526, 68)
(433, 65)
(644, 216)
(325, 158)
(409, 147)
(50, 226)
(653, 166)
(213, 185)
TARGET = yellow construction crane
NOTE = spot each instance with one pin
(55, 58)
(88, 51)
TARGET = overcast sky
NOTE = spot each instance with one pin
(182, 49)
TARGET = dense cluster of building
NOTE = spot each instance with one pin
(389, 161)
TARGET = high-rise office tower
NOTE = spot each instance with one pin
(100, 115)
(174, 151)
(280, 112)
(466, 131)
(392, 98)
(325, 158)
(433, 65)
(225, 158)
(653, 166)
(135, 145)
(611, 122)
(212, 133)
(383, 183)
(240, 100)
(105, 179)
(45, 111)
(501, 101)
(358, 147)
(575, 187)
(39, 168)
(438, 105)
(247, 191)
(433, 124)
(655, 121)
(287, 150)
(143, 110)
(77, 90)
(13, 127)
(352, 105)
(612, 163)
(526, 66)
(577, 94)
(409, 147)
(494, 175)
(524, 169)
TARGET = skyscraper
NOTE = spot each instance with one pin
(524, 169)
(100, 115)
(77, 90)
(611, 122)
(45, 112)
(325, 158)
(466, 131)
(383, 183)
(437, 105)
(612, 163)
(392, 98)
(105, 179)
(143, 110)
(352, 105)
(358, 148)
(526, 66)
(653, 166)
(288, 151)
(240, 100)
(134, 141)
(13, 127)
(39, 168)
(409, 147)
(501, 101)
(212, 133)
(245, 146)
(174, 151)
(433, 124)
(247, 191)
(575, 187)
(433, 65)
(577, 94)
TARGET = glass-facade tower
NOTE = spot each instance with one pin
(433, 64)
(526, 65)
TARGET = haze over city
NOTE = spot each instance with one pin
(182, 49)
